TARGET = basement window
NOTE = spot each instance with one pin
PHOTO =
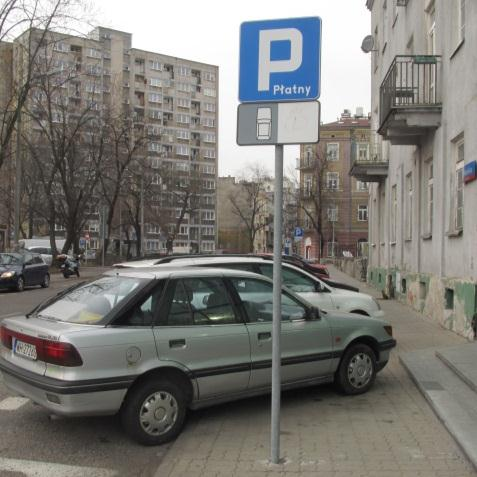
(403, 285)
(449, 297)
(422, 290)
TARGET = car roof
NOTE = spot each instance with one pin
(167, 271)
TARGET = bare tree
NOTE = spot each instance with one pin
(66, 146)
(312, 199)
(250, 203)
(37, 19)
(124, 149)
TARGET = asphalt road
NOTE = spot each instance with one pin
(34, 444)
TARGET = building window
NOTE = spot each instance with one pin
(207, 246)
(182, 150)
(361, 186)
(155, 65)
(430, 196)
(308, 185)
(209, 76)
(332, 180)
(208, 137)
(332, 213)
(183, 103)
(184, 230)
(156, 82)
(153, 229)
(209, 184)
(209, 153)
(363, 152)
(459, 185)
(362, 213)
(183, 134)
(207, 122)
(183, 70)
(155, 98)
(208, 230)
(332, 151)
(209, 107)
(393, 213)
(208, 215)
(183, 118)
(210, 92)
(184, 87)
(408, 207)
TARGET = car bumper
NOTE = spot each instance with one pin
(8, 282)
(66, 398)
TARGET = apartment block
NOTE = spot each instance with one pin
(174, 102)
(334, 205)
(423, 225)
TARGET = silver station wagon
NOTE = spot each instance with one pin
(152, 343)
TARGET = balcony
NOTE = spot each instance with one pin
(369, 167)
(304, 163)
(409, 99)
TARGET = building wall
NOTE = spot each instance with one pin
(433, 270)
(347, 230)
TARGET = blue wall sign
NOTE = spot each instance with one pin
(280, 60)
(470, 172)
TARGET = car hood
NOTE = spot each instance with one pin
(10, 268)
(348, 293)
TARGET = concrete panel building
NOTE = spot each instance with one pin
(423, 225)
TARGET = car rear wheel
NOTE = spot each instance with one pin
(357, 370)
(154, 412)
(20, 284)
(46, 281)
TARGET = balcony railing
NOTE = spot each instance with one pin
(410, 87)
(370, 167)
(305, 162)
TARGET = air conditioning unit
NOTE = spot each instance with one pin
(126, 84)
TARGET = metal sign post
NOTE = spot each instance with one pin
(279, 83)
(277, 305)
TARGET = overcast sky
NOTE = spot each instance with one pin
(208, 31)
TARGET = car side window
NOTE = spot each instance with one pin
(292, 279)
(37, 259)
(201, 301)
(257, 299)
(28, 259)
(142, 314)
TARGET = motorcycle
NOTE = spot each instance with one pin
(69, 266)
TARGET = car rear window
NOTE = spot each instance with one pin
(90, 303)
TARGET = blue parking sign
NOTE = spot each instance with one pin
(280, 60)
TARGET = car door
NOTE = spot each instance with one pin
(309, 288)
(30, 272)
(306, 345)
(202, 330)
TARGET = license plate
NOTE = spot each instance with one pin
(26, 350)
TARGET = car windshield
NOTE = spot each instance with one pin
(90, 303)
(9, 259)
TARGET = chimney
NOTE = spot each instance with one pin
(346, 114)
(359, 112)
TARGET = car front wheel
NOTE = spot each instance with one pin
(154, 412)
(46, 281)
(357, 370)
(20, 284)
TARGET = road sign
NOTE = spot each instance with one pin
(278, 123)
(298, 232)
(82, 242)
(280, 60)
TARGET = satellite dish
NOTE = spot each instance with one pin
(368, 44)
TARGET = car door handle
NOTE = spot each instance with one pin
(265, 336)
(177, 343)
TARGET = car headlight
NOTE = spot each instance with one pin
(7, 274)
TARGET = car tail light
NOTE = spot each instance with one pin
(53, 352)
(6, 338)
(389, 330)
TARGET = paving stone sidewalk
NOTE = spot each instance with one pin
(389, 432)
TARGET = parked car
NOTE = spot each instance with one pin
(152, 343)
(45, 252)
(308, 286)
(263, 256)
(20, 270)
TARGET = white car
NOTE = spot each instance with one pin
(301, 282)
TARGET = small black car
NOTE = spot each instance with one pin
(20, 270)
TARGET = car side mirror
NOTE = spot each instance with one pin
(314, 314)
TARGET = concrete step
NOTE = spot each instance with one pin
(452, 399)
(462, 360)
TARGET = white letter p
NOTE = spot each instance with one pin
(266, 65)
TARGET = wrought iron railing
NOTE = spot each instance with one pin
(411, 82)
